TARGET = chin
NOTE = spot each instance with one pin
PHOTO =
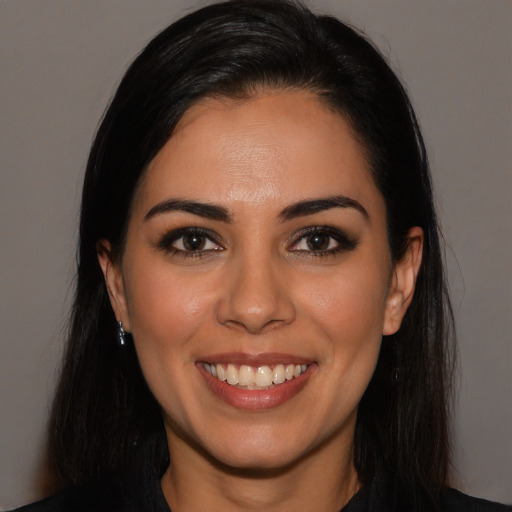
(259, 451)
(264, 461)
(248, 450)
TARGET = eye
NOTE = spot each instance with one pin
(194, 242)
(320, 241)
(316, 242)
(189, 242)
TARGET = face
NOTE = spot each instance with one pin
(257, 280)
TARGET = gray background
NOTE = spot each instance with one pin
(59, 63)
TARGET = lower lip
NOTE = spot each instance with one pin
(257, 399)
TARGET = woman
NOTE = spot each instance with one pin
(261, 319)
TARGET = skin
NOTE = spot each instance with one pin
(260, 288)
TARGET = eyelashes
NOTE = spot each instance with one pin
(322, 241)
(190, 242)
(315, 241)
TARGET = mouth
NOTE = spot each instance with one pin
(255, 377)
(256, 382)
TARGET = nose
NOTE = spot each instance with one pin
(255, 297)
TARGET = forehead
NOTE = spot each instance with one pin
(278, 147)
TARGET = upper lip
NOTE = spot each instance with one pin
(259, 359)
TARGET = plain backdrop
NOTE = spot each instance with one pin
(59, 63)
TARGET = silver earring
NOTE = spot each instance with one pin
(121, 334)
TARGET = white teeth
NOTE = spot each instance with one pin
(245, 376)
(232, 375)
(221, 374)
(261, 377)
(279, 374)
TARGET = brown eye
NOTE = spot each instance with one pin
(194, 242)
(323, 240)
(189, 242)
(318, 242)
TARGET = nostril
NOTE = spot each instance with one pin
(253, 327)
(253, 318)
(254, 297)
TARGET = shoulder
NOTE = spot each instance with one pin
(127, 492)
(454, 501)
(104, 496)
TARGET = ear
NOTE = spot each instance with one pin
(403, 282)
(114, 281)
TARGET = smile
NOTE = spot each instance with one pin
(256, 382)
(255, 377)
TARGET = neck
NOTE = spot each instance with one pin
(322, 480)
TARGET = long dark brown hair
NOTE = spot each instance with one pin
(104, 414)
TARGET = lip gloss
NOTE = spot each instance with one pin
(257, 399)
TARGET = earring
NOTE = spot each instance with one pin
(121, 334)
(397, 365)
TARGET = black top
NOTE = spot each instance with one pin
(144, 494)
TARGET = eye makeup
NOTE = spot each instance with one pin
(189, 242)
(313, 241)
(320, 241)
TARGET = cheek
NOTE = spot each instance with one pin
(348, 303)
(166, 310)
(348, 308)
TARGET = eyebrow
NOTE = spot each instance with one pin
(220, 213)
(206, 210)
(312, 206)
